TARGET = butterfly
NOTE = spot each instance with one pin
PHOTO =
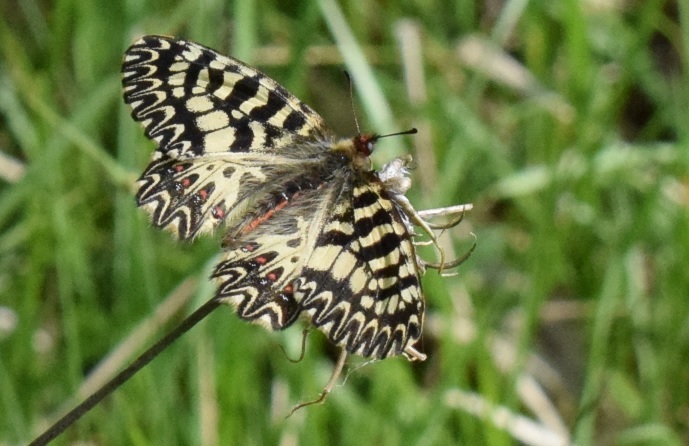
(312, 232)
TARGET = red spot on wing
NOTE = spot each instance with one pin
(218, 212)
(274, 275)
(249, 247)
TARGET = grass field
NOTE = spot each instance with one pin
(564, 123)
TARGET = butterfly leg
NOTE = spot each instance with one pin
(450, 224)
(442, 226)
(417, 220)
(305, 334)
(455, 263)
(328, 387)
(395, 177)
(421, 216)
(441, 212)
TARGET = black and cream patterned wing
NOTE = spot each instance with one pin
(218, 125)
(360, 285)
(265, 254)
(193, 101)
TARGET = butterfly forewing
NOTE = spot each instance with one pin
(193, 101)
(310, 232)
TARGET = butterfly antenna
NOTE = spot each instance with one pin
(79, 411)
(351, 100)
(411, 131)
(328, 387)
(356, 120)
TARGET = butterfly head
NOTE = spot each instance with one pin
(358, 149)
(364, 143)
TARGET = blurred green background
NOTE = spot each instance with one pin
(564, 123)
